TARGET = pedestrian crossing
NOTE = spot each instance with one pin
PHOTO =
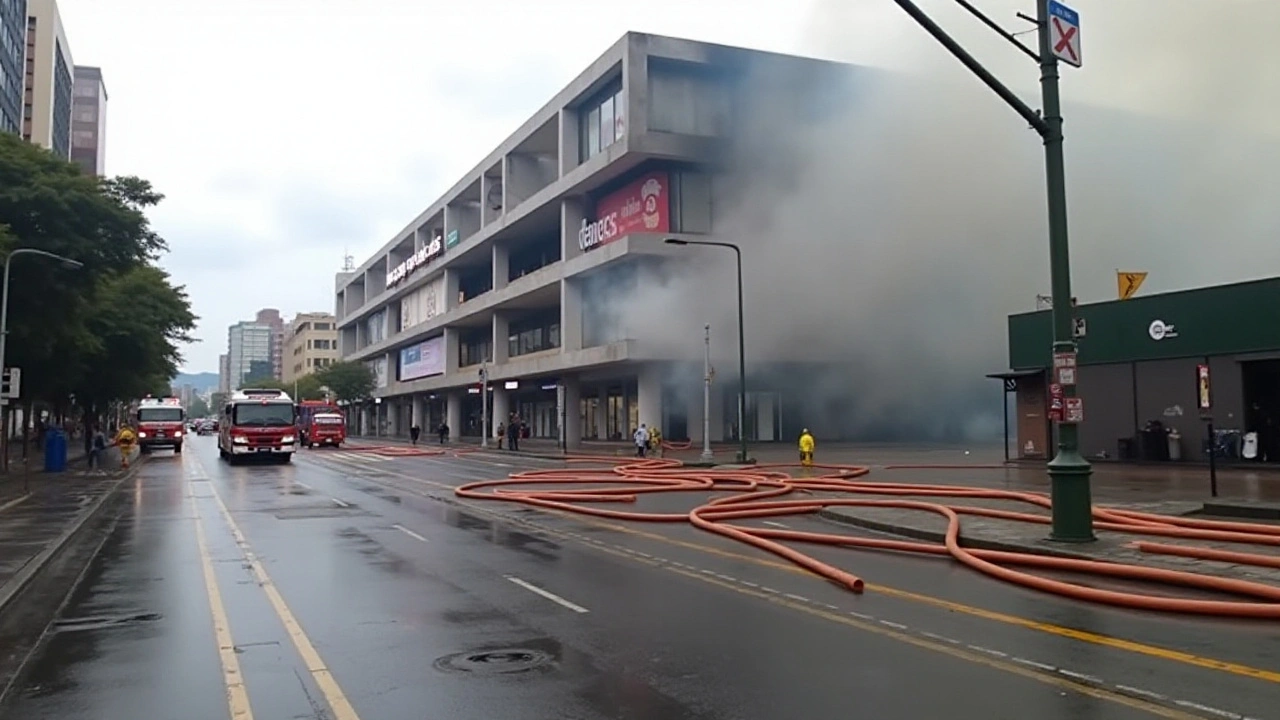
(349, 456)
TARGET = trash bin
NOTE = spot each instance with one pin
(1175, 445)
(55, 451)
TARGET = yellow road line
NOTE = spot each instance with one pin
(1027, 623)
(14, 502)
(237, 694)
(339, 707)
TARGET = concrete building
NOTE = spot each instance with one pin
(1155, 364)
(248, 353)
(310, 343)
(518, 263)
(49, 80)
(224, 371)
(89, 120)
(13, 53)
(272, 319)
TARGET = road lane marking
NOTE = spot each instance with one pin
(548, 595)
(339, 706)
(232, 679)
(775, 524)
(301, 484)
(1084, 636)
(14, 502)
(409, 532)
(340, 503)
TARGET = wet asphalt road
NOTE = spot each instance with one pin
(350, 586)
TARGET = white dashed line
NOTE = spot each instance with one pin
(769, 590)
(14, 502)
(894, 625)
(1034, 664)
(775, 524)
(301, 484)
(797, 598)
(989, 651)
(943, 638)
(1139, 691)
(548, 595)
(1080, 676)
(1208, 709)
(340, 503)
(409, 532)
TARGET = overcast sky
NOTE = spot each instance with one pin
(287, 132)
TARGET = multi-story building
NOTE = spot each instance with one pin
(224, 371)
(89, 120)
(310, 343)
(248, 353)
(271, 318)
(13, 53)
(522, 265)
(46, 111)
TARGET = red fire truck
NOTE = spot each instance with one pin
(159, 423)
(258, 423)
(308, 409)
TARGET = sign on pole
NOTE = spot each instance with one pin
(1204, 391)
(1127, 283)
(1064, 33)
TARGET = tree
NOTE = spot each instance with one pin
(307, 387)
(198, 408)
(349, 381)
(216, 402)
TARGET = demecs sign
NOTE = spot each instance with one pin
(643, 206)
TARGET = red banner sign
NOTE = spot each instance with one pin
(643, 206)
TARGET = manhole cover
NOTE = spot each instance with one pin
(506, 660)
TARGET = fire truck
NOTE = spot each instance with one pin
(309, 409)
(258, 423)
(159, 423)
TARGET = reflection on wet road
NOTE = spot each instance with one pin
(343, 586)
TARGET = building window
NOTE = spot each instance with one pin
(535, 333)
(602, 121)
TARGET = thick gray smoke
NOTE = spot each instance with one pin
(895, 235)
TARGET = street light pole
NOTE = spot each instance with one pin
(484, 404)
(707, 455)
(1069, 472)
(742, 346)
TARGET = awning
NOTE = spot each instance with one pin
(1015, 374)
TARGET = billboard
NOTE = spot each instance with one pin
(642, 206)
(423, 359)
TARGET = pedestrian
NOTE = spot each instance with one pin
(641, 439)
(443, 431)
(414, 433)
(513, 432)
(125, 440)
(97, 448)
(806, 448)
(502, 436)
(655, 441)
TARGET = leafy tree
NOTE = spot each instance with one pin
(216, 402)
(349, 381)
(198, 408)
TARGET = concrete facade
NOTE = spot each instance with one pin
(13, 53)
(310, 344)
(89, 120)
(499, 271)
(49, 80)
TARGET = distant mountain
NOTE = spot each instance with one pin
(200, 382)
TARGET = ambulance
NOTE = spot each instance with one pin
(159, 422)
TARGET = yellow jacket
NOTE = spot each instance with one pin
(125, 436)
(806, 443)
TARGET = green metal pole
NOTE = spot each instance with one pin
(1069, 472)
(742, 365)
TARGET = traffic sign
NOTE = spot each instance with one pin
(1129, 282)
(1064, 33)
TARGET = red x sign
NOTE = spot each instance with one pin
(1066, 42)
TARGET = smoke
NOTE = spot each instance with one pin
(893, 234)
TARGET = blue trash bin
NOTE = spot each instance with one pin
(55, 451)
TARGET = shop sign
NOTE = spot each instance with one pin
(641, 207)
(422, 256)
(1203, 390)
(1159, 330)
(1064, 368)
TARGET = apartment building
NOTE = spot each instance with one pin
(224, 371)
(49, 79)
(89, 120)
(516, 268)
(13, 53)
(310, 343)
(272, 319)
(248, 353)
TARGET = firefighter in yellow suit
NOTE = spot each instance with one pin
(125, 440)
(806, 448)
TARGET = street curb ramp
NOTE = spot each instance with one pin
(89, 531)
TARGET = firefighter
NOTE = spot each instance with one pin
(655, 441)
(125, 440)
(806, 448)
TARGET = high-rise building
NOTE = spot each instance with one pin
(13, 52)
(271, 318)
(310, 343)
(46, 110)
(89, 120)
(248, 353)
(224, 372)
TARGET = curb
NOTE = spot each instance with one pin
(19, 582)
(935, 536)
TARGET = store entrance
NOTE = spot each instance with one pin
(1262, 407)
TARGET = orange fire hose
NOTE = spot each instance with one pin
(757, 492)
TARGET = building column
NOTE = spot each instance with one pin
(649, 395)
(393, 416)
(500, 335)
(602, 414)
(453, 413)
(718, 425)
(572, 413)
(501, 266)
(570, 315)
(572, 213)
(419, 413)
(452, 344)
(452, 289)
(501, 409)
